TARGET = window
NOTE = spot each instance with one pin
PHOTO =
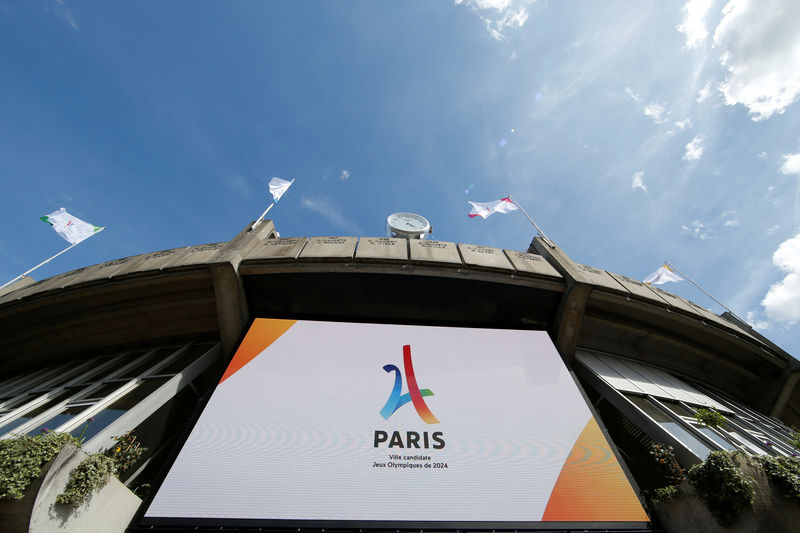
(670, 403)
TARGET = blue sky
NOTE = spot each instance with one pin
(632, 132)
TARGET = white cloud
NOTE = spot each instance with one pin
(772, 229)
(683, 124)
(332, 212)
(697, 230)
(728, 213)
(499, 15)
(759, 44)
(694, 150)
(762, 154)
(752, 319)
(731, 223)
(782, 302)
(63, 13)
(704, 93)
(637, 181)
(658, 112)
(791, 164)
(345, 175)
(693, 24)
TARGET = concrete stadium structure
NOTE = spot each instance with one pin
(138, 343)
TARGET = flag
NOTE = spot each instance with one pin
(277, 187)
(662, 275)
(483, 210)
(73, 229)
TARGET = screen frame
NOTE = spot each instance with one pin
(155, 524)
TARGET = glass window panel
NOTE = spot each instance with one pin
(184, 360)
(713, 435)
(611, 376)
(138, 368)
(120, 406)
(56, 420)
(678, 409)
(104, 390)
(671, 426)
(749, 443)
(33, 413)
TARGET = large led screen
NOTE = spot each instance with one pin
(375, 423)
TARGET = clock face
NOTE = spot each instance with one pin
(408, 222)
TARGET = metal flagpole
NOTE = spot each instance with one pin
(48, 260)
(690, 280)
(548, 241)
(259, 219)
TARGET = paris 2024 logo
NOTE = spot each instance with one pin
(415, 395)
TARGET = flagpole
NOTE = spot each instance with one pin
(548, 241)
(690, 280)
(259, 219)
(48, 260)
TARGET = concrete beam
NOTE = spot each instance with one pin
(789, 384)
(232, 310)
(569, 317)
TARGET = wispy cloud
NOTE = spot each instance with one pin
(758, 45)
(782, 301)
(752, 318)
(637, 181)
(332, 212)
(772, 229)
(696, 229)
(730, 221)
(499, 16)
(680, 126)
(693, 24)
(694, 150)
(704, 93)
(61, 11)
(762, 154)
(656, 111)
(345, 175)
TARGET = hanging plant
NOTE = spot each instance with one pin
(710, 417)
(722, 486)
(22, 459)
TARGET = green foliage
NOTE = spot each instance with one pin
(22, 459)
(125, 453)
(723, 488)
(667, 464)
(710, 417)
(785, 473)
(794, 440)
(665, 493)
(92, 474)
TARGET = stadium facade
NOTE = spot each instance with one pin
(139, 344)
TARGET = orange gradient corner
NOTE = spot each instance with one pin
(261, 335)
(592, 486)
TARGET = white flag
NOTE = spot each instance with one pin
(73, 229)
(483, 210)
(277, 187)
(662, 275)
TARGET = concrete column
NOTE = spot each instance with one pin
(232, 309)
(792, 377)
(569, 316)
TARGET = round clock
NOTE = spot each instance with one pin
(407, 225)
